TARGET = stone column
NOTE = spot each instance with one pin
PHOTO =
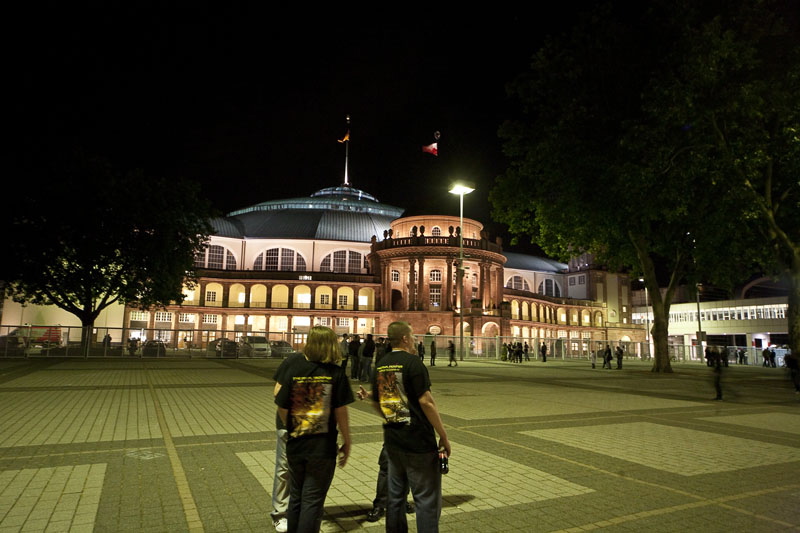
(412, 286)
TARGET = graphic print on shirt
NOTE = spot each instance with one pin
(391, 395)
(310, 408)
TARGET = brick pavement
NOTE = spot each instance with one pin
(188, 445)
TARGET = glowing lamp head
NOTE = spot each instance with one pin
(461, 189)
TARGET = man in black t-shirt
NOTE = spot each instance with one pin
(401, 394)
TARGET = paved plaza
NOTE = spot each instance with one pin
(188, 445)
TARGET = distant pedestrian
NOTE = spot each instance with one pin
(790, 360)
(107, 341)
(433, 353)
(421, 351)
(607, 357)
(355, 358)
(543, 351)
(525, 351)
(367, 354)
(716, 358)
(619, 353)
(451, 349)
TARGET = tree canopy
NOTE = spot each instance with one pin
(88, 235)
(616, 152)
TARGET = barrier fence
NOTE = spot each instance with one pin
(65, 341)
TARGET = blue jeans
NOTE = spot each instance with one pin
(280, 481)
(311, 479)
(366, 369)
(421, 472)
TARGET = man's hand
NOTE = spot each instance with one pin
(344, 454)
(444, 444)
(362, 393)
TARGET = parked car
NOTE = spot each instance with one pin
(154, 348)
(250, 346)
(222, 348)
(281, 349)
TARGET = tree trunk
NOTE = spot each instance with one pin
(660, 333)
(87, 326)
(793, 313)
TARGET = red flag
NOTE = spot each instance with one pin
(431, 149)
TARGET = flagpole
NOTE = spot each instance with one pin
(347, 152)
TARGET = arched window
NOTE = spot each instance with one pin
(217, 257)
(550, 288)
(342, 261)
(436, 231)
(279, 259)
(436, 275)
(519, 283)
(395, 275)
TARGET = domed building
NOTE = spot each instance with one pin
(341, 258)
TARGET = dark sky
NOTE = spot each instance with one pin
(250, 103)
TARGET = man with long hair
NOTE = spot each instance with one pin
(312, 402)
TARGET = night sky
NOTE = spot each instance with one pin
(250, 103)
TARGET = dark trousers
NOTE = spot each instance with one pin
(420, 472)
(355, 367)
(366, 369)
(382, 485)
(311, 479)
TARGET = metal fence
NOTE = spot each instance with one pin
(65, 341)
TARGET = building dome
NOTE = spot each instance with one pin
(335, 213)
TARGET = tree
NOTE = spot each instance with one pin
(600, 163)
(87, 236)
(738, 86)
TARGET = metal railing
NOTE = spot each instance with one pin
(40, 341)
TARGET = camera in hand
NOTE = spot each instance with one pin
(443, 464)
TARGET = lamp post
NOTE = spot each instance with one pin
(460, 189)
(700, 335)
(646, 318)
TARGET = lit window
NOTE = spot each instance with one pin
(436, 296)
(436, 231)
(211, 296)
(519, 283)
(436, 275)
(395, 275)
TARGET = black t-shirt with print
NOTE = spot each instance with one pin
(311, 392)
(286, 367)
(400, 379)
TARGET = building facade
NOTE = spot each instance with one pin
(342, 259)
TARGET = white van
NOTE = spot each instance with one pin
(251, 346)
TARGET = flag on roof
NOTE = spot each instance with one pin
(346, 137)
(432, 148)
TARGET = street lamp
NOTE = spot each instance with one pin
(461, 189)
(646, 318)
(700, 334)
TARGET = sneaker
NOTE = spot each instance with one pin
(409, 508)
(376, 514)
(281, 525)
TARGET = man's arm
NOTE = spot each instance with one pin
(363, 394)
(428, 405)
(343, 421)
